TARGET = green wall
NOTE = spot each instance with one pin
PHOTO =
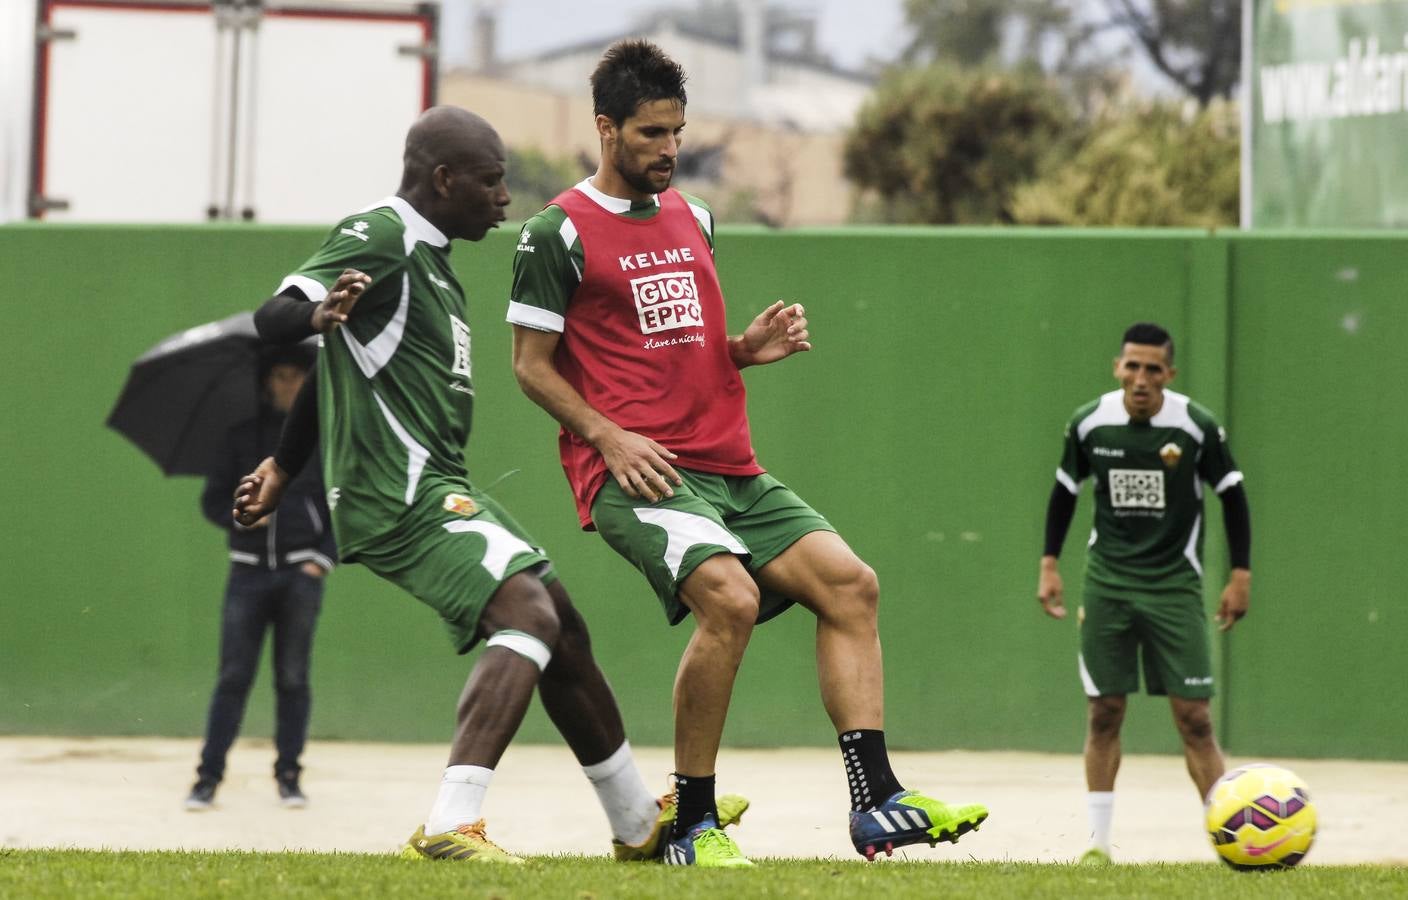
(926, 424)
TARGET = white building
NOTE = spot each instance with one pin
(747, 79)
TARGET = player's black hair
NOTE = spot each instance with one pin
(631, 73)
(1150, 334)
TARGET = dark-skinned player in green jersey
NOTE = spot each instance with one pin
(395, 398)
(619, 334)
(1149, 451)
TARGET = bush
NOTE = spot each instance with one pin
(1159, 165)
(944, 145)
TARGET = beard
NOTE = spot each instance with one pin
(640, 179)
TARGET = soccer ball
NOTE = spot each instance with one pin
(1260, 817)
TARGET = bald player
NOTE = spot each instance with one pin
(393, 402)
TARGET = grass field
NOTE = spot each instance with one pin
(45, 873)
(102, 818)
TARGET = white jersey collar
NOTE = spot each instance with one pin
(611, 204)
(418, 227)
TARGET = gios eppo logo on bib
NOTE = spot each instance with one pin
(666, 301)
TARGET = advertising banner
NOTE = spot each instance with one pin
(1329, 118)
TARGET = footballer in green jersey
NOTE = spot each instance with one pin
(395, 396)
(1149, 452)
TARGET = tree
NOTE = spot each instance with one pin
(943, 145)
(1002, 33)
(1153, 166)
(1196, 43)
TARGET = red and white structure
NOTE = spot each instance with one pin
(192, 110)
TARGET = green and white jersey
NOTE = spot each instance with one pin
(395, 398)
(1148, 487)
(547, 266)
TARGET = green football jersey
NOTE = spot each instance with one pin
(395, 397)
(547, 266)
(1149, 480)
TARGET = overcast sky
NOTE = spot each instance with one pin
(849, 30)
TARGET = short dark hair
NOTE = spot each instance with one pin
(631, 73)
(1150, 334)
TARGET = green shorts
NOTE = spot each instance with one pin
(754, 517)
(451, 551)
(1168, 627)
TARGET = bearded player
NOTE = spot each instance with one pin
(619, 333)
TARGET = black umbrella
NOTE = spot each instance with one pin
(182, 395)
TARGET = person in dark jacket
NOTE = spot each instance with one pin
(277, 567)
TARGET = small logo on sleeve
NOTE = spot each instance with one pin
(358, 230)
(460, 505)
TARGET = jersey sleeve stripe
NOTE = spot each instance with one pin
(535, 317)
(706, 221)
(309, 287)
(1231, 479)
(568, 233)
(1068, 482)
(372, 356)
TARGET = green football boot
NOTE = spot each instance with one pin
(705, 845)
(909, 817)
(731, 808)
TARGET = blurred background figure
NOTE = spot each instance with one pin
(277, 567)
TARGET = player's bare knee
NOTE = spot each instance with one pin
(522, 606)
(574, 644)
(1106, 715)
(1194, 724)
(859, 593)
(726, 607)
(733, 612)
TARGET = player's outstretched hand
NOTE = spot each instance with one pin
(1236, 598)
(258, 494)
(1050, 592)
(777, 333)
(337, 305)
(640, 466)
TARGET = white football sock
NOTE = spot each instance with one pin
(1101, 806)
(629, 805)
(460, 798)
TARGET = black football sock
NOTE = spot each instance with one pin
(694, 799)
(867, 768)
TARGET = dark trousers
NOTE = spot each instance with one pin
(256, 599)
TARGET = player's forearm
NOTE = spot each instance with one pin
(285, 319)
(542, 384)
